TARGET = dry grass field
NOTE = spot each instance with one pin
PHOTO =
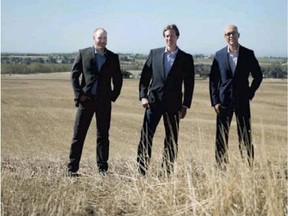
(36, 127)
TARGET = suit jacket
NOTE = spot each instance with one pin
(167, 92)
(234, 90)
(85, 65)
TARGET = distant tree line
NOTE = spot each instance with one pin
(275, 70)
(14, 68)
(50, 59)
(47, 63)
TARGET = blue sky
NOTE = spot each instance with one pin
(45, 26)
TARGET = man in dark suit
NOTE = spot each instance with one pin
(160, 92)
(230, 92)
(92, 73)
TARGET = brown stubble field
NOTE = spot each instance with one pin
(37, 116)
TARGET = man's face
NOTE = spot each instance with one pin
(170, 38)
(100, 39)
(231, 35)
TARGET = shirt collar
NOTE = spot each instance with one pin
(173, 53)
(235, 53)
(95, 50)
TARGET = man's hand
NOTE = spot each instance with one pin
(84, 98)
(182, 113)
(145, 103)
(217, 108)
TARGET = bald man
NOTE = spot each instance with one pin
(97, 81)
(231, 93)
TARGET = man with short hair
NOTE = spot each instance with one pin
(92, 73)
(231, 92)
(160, 92)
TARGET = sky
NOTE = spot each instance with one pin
(53, 26)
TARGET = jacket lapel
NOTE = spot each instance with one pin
(226, 60)
(161, 61)
(239, 58)
(107, 55)
(91, 55)
(177, 58)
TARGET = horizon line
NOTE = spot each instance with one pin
(131, 53)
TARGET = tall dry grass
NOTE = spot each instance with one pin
(37, 122)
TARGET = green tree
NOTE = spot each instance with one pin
(277, 70)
